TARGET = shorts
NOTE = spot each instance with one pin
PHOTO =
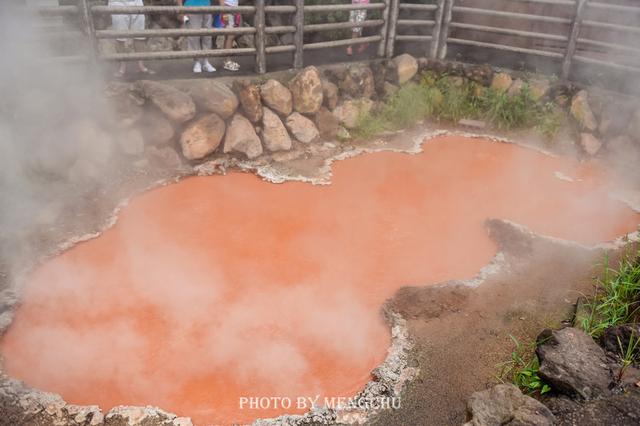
(357, 17)
(227, 20)
(127, 22)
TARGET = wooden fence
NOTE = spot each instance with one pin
(569, 32)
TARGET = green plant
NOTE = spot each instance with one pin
(511, 111)
(628, 354)
(617, 298)
(550, 120)
(522, 370)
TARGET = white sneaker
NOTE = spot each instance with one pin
(197, 68)
(208, 67)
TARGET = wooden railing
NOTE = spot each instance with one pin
(579, 35)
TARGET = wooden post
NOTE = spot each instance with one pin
(384, 31)
(581, 7)
(86, 19)
(298, 38)
(444, 30)
(259, 20)
(437, 28)
(393, 27)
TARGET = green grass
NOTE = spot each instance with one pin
(617, 298)
(450, 99)
(628, 354)
(522, 370)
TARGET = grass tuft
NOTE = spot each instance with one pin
(522, 370)
(450, 99)
(617, 298)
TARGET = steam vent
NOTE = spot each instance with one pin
(319, 212)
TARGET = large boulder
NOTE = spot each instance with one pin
(249, 95)
(330, 94)
(131, 142)
(274, 134)
(306, 90)
(357, 81)
(573, 363)
(504, 404)
(406, 67)
(581, 111)
(350, 112)
(590, 144)
(615, 119)
(501, 82)
(302, 128)
(241, 138)
(617, 339)
(327, 123)
(126, 104)
(202, 137)
(155, 128)
(277, 97)
(539, 88)
(619, 410)
(209, 96)
(175, 104)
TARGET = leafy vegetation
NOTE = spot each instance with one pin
(617, 298)
(450, 98)
(522, 370)
(629, 354)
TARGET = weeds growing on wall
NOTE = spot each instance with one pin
(617, 298)
(450, 99)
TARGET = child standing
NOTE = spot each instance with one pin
(357, 17)
(129, 23)
(229, 20)
(199, 20)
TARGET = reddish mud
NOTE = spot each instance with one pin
(219, 287)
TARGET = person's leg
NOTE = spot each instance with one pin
(362, 17)
(120, 23)
(139, 44)
(195, 42)
(207, 43)
(228, 42)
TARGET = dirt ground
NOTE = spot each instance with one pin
(461, 333)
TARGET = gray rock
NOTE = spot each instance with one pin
(274, 134)
(302, 128)
(618, 410)
(349, 112)
(126, 104)
(131, 142)
(277, 97)
(406, 67)
(165, 157)
(516, 87)
(539, 88)
(202, 137)
(249, 95)
(590, 144)
(501, 82)
(357, 81)
(619, 336)
(581, 111)
(327, 123)
(241, 138)
(330, 94)
(306, 91)
(175, 104)
(573, 364)
(504, 404)
(209, 96)
(155, 128)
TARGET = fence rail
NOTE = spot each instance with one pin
(574, 31)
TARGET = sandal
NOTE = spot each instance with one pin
(147, 71)
(349, 51)
(363, 47)
(118, 74)
(231, 66)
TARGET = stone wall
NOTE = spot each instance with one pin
(205, 118)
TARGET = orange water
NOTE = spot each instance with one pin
(219, 287)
